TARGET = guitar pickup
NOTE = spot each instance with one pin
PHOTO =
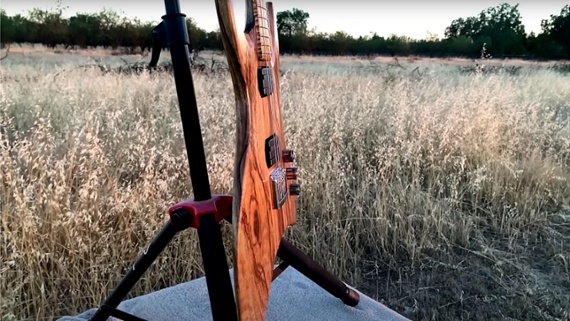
(265, 81)
(272, 150)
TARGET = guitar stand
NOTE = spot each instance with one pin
(205, 211)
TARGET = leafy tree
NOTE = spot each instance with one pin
(463, 46)
(498, 29)
(398, 45)
(109, 22)
(143, 34)
(51, 27)
(378, 45)
(292, 22)
(214, 40)
(340, 43)
(196, 34)
(501, 25)
(84, 30)
(557, 29)
(23, 30)
(7, 30)
(468, 27)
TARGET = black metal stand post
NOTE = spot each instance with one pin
(175, 33)
(215, 264)
(205, 211)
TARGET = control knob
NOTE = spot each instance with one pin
(288, 156)
(294, 189)
(291, 173)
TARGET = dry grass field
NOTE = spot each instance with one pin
(441, 192)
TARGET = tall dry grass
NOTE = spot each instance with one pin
(445, 196)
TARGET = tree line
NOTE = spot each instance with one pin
(499, 30)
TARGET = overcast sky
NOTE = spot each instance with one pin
(412, 18)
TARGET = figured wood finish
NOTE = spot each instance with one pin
(258, 226)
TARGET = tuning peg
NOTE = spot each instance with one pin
(288, 156)
(294, 189)
(291, 173)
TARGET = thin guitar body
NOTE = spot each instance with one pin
(264, 181)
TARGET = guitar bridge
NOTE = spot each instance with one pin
(279, 186)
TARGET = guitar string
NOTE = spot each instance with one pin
(275, 98)
(267, 42)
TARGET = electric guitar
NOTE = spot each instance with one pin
(264, 180)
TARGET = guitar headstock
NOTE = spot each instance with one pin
(264, 179)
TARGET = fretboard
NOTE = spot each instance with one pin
(263, 42)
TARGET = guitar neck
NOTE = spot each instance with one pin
(263, 33)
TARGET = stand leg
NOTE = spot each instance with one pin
(316, 273)
(141, 265)
(294, 257)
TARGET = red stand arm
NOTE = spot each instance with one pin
(219, 205)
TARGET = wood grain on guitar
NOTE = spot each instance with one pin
(264, 180)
